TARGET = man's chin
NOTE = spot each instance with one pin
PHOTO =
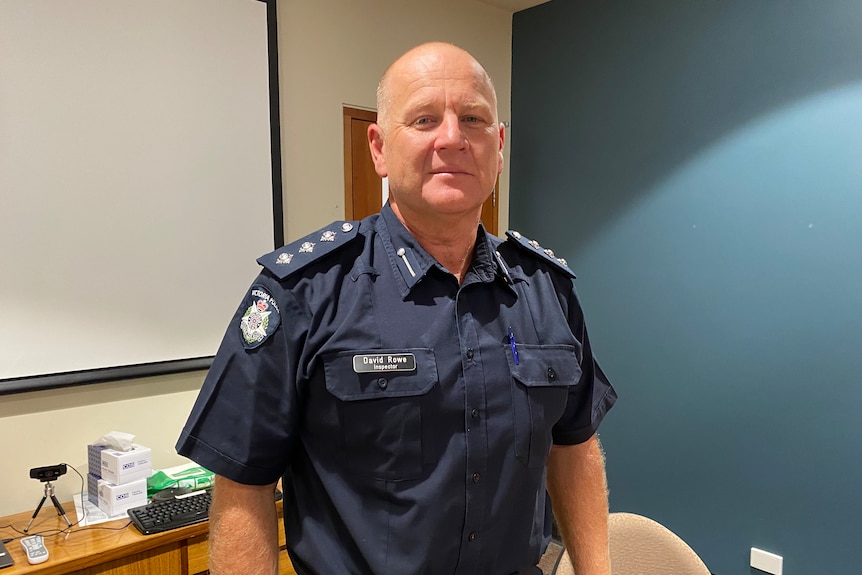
(453, 200)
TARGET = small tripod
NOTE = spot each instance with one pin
(49, 492)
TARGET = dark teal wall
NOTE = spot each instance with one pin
(700, 166)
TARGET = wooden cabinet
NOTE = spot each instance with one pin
(166, 559)
(197, 549)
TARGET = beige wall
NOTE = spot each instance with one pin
(331, 53)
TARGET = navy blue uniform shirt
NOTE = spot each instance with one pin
(410, 417)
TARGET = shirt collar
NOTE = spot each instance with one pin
(485, 264)
(411, 262)
(408, 260)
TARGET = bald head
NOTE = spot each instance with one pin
(437, 56)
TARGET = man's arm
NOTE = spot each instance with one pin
(579, 496)
(243, 529)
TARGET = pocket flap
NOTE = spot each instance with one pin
(545, 365)
(373, 374)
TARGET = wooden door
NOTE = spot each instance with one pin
(363, 188)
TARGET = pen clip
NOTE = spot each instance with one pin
(514, 346)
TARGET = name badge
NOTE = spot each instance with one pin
(375, 362)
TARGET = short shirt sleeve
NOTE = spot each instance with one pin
(592, 397)
(588, 403)
(244, 424)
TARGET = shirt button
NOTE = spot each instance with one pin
(474, 414)
(551, 373)
(476, 477)
(382, 383)
(471, 537)
(469, 353)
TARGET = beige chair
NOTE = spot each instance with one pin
(640, 546)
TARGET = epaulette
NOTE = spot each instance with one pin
(533, 247)
(297, 255)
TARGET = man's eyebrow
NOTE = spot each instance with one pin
(476, 105)
(479, 108)
(419, 105)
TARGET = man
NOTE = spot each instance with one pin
(408, 374)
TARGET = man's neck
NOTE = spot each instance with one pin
(449, 240)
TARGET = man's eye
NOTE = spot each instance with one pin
(422, 121)
(476, 121)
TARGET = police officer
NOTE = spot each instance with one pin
(417, 383)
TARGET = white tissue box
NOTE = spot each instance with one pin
(117, 499)
(119, 467)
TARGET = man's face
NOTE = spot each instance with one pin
(439, 143)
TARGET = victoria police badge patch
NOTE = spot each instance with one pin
(261, 318)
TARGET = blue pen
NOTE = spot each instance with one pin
(514, 347)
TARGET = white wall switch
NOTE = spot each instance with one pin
(766, 561)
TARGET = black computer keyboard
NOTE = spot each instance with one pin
(161, 516)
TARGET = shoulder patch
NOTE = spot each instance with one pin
(296, 255)
(533, 247)
(261, 318)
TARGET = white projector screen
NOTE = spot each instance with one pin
(138, 182)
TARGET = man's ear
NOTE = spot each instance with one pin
(500, 151)
(375, 144)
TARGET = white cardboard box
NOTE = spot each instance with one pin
(119, 467)
(116, 499)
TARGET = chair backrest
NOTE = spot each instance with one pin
(641, 546)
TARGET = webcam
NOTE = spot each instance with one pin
(48, 473)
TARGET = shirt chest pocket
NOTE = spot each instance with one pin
(380, 396)
(541, 381)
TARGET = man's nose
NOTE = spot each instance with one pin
(451, 134)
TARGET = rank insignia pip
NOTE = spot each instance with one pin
(261, 318)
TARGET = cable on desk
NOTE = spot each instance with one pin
(83, 507)
(94, 527)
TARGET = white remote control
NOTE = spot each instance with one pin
(35, 549)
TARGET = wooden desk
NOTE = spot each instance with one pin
(112, 549)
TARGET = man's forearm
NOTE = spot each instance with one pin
(243, 529)
(579, 495)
